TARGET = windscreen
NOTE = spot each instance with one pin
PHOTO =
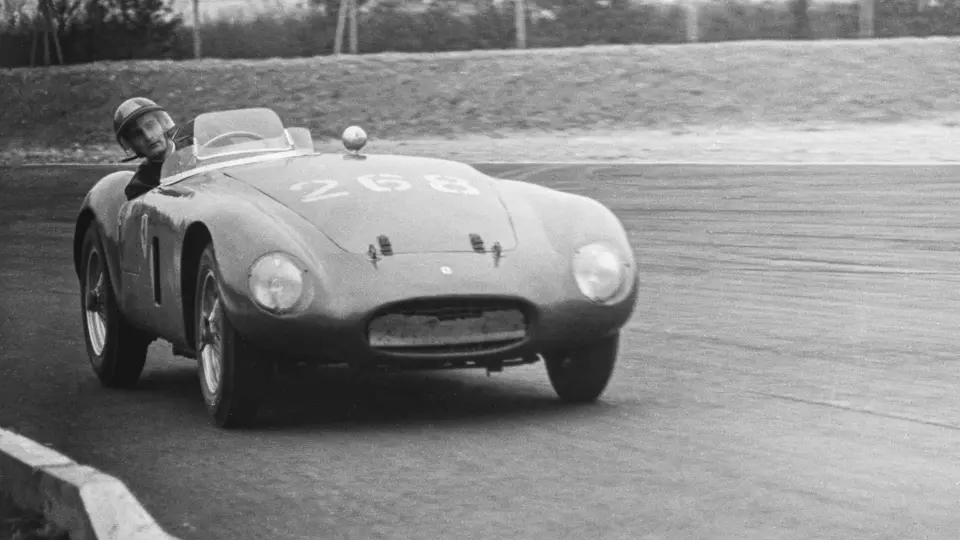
(236, 133)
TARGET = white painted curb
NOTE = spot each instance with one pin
(81, 500)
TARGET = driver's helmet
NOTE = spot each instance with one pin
(137, 112)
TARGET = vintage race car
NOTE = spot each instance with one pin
(256, 253)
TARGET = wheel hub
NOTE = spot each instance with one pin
(209, 325)
(95, 316)
(209, 339)
(206, 334)
(94, 300)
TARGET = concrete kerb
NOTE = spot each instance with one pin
(84, 502)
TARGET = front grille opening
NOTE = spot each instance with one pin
(450, 325)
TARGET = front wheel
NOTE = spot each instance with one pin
(232, 373)
(117, 350)
(581, 375)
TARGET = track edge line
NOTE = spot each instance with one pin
(847, 408)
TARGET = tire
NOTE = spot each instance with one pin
(117, 351)
(233, 374)
(581, 375)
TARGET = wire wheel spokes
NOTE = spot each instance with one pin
(210, 332)
(95, 302)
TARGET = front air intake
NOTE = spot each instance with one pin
(449, 325)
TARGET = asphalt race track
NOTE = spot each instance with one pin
(790, 373)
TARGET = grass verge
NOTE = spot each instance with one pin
(656, 91)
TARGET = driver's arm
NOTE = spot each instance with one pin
(146, 178)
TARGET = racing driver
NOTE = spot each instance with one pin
(145, 128)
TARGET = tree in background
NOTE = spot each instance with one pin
(92, 30)
(130, 29)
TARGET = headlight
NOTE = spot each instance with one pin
(598, 271)
(276, 282)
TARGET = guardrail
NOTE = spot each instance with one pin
(84, 502)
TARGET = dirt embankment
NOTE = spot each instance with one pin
(871, 100)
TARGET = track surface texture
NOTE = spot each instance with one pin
(789, 373)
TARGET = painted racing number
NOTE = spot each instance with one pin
(320, 193)
(326, 189)
(384, 182)
(451, 184)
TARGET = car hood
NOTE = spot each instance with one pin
(419, 205)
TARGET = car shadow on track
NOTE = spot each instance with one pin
(333, 398)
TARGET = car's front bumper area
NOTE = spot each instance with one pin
(445, 289)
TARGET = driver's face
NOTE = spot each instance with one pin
(147, 135)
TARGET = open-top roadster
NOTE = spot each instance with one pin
(256, 252)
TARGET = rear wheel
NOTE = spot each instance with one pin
(582, 374)
(233, 374)
(117, 351)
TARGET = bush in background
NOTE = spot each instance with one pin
(124, 29)
(729, 20)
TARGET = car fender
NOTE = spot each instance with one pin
(568, 221)
(101, 208)
(243, 224)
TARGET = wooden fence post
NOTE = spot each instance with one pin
(520, 10)
(354, 40)
(692, 10)
(341, 22)
(866, 19)
(196, 29)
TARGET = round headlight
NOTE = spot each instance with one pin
(598, 271)
(276, 283)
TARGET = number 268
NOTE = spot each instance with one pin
(327, 189)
